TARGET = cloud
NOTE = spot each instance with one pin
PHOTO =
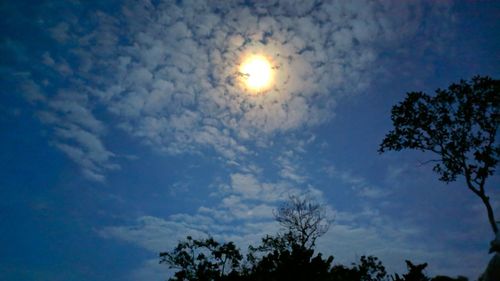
(289, 168)
(60, 32)
(157, 234)
(243, 214)
(248, 187)
(31, 91)
(77, 133)
(358, 184)
(167, 72)
(150, 270)
(152, 233)
(244, 217)
(393, 241)
(248, 198)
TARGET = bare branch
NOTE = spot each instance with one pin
(304, 219)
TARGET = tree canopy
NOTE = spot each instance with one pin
(459, 125)
(280, 257)
(304, 219)
(203, 260)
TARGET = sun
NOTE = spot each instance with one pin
(257, 73)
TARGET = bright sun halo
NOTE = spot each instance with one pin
(256, 73)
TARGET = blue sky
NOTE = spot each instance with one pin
(124, 128)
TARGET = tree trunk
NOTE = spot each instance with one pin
(481, 194)
(491, 216)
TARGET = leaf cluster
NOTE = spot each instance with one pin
(203, 260)
(459, 124)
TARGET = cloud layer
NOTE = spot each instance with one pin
(167, 73)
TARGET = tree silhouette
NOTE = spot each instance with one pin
(415, 273)
(368, 269)
(303, 219)
(446, 278)
(371, 269)
(458, 124)
(281, 257)
(203, 260)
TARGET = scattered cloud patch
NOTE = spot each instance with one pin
(358, 184)
(78, 133)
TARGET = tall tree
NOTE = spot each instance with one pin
(459, 125)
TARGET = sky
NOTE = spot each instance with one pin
(124, 128)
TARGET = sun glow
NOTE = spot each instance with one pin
(256, 73)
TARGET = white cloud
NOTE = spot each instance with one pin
(78, 133)
(151, 270)
(243, 214)
(168, 72)
(393, 242)
(245, 218)
(248, 187)
(157, 234)
(358, 184)
(152, 233)
(289, 168)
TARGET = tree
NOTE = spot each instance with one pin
(459, 125)
(285, 256)
(415, 273)
(203, 260)
(280, 259)
(290, 255)
(446, 278)
(304, 219)
(369, 268)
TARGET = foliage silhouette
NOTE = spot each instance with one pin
(458, 124)
(415, 273)
(203, 260)
(368, 269)
(282, 257)
(446, 278)
(279, 257)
